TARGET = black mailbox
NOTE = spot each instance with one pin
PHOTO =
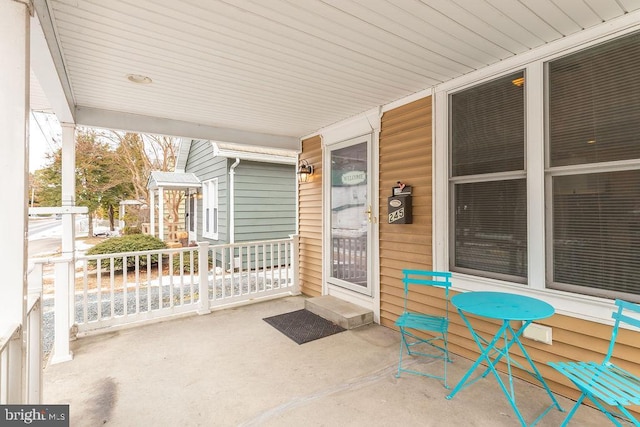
(399, 206)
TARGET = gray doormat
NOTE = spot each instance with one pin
(303, 326)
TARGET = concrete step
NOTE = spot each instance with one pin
(343, 313)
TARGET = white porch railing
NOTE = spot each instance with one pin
(124, 288)
(14, 388)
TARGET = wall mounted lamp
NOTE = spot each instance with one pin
(305, 170)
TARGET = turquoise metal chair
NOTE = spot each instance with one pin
(424, 334)
(605, 383)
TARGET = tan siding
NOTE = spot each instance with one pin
(406, 155)
(310, 220)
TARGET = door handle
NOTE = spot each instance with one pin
(370, 216)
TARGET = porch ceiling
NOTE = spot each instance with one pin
(282, 67)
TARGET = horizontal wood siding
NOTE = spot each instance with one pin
(265, 201)
(310, 220)
(405, 155)
(202, 163)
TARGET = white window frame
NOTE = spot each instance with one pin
(210, 211)
(513, 175)
(586, 307)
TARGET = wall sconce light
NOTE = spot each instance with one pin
(305, 170)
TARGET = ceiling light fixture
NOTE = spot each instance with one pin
(139, 78)
(518, 82)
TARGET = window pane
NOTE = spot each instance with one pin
(596, 231)
(491, 227)
(594, 104)
(487, 127)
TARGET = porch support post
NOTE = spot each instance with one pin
(161, 213)
(295, 263)
(62, 298)
(14, 167)
(152, 212)
(69, 200)
(203, 278)
(65, 268)
(68, 187)
(121, 217)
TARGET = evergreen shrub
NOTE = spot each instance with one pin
(127, 243)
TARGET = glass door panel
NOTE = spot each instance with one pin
(350, 216)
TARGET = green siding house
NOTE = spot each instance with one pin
(247, 193)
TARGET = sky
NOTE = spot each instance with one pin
(45, 136)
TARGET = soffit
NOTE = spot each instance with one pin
(290, 68)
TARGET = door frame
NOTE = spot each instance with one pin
(363, 125)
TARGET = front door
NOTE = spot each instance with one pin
(192, 218)
(349, 214)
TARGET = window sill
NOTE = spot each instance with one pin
(593, 309)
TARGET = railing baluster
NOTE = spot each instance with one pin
(137, 260)
(264, 265)
(171, 279)
(240, 271)
(232, 270)
(33, 340)
(191, 275)
(256, 268)
(85, 287)
(273, 284)
(98, 286)
(224, 272)
(148, 283)
(160, 283)
(125, 287)
(279, 265)
(113, 285)
(181, 266)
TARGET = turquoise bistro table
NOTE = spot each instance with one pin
(505, 307)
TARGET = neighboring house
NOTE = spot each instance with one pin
(247, 194)
(167, 192)
(525, 178)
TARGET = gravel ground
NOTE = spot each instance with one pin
(159, 295)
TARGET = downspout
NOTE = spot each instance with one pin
(232, 201)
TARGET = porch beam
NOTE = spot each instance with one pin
(14, 116)
(45, 55)
(95, 117)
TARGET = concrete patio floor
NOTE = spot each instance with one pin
(230, 368)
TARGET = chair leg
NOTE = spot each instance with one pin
(573, 410)
(446, 360)
(402, 344)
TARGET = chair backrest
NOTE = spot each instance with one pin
(621, 316)
(426, 278)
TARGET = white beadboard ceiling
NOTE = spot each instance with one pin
(288, 67)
